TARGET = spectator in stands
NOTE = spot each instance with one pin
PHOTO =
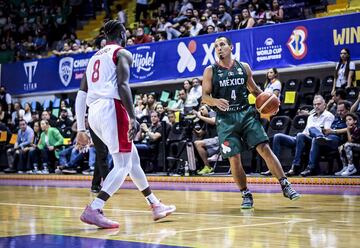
(50, 142)
(247, 20)
(196, 89)
(150, 104)
(208, 145)
(64, 124)
(187, 85)
(70, 157)
(356, 106)
(318, 118)
(34, 152)
(46, 115)
(141, 37)
(179, 106)
(276, 13)
(2, 114)
(150, 137)
(64, 51)
(344, 71)
(34, 118)
(236, 22)
(329, 140)
(346, 150)
(164, 26)
(261, 14)
(65, 105)
(121, 15)
(27, 112)
(141, 7)
(272, 82)
(210, 29)
(161, 111)
(224, 16)
(5, 100)
(16, 154)
(171, 117)
(203, 22)
(139, 106)
(196, 26)
(340, 95)
(17, 114)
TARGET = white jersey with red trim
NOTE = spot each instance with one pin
(101, 74)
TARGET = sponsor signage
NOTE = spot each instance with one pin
(280, 45)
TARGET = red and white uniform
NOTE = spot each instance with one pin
(107, 115)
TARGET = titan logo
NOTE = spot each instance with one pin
(30, 68)
(296, 42)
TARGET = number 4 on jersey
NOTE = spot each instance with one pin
(233, 95)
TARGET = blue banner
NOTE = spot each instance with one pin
(282, 45)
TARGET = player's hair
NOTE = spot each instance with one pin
(226, 38)
(113, 30)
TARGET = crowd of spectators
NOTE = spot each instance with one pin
(36, 28)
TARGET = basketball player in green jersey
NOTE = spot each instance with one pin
(226, 86)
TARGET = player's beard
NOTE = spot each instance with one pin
(221, 57)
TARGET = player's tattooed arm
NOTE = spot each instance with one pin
(251, 85)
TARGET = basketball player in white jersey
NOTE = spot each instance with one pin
(105, 89)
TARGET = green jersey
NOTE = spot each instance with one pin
(230, 84)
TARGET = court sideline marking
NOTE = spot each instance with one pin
(143, 211)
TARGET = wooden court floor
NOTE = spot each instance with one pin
(37, 216)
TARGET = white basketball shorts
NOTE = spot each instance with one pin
(109, 120)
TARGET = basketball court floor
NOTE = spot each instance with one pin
(44, 212)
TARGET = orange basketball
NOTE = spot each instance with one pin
(267, 103)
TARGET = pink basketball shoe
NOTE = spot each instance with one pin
(160, 210)
(96, 217)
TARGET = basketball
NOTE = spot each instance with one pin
(267, 103)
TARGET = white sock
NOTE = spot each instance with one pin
(351, 166)
(97, 203)
(152, 199)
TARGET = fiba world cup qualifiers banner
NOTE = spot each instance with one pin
(281, 45)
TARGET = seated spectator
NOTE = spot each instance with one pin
(333, 137)
(2, 114)
(340, 95)
(50, 118)
(247, 20)
(179, 106)
(150, 137)
(5, 100)
(346, 150)
(161, 111)
(210, 29)
(208, 145)
(196, 89)
(150, 104)
(17, 114)
(224, 16)
(27, 112)
(141, 37)
(50, 142)
(164, 26)
(64, 124)
(17, 154)
(34, 118)
(70, 157)
(195, 26)
(32, 163)
(318, 118)
(65, 105)
(139, 106)
(276, 13)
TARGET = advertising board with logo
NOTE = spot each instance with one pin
(280, 45)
